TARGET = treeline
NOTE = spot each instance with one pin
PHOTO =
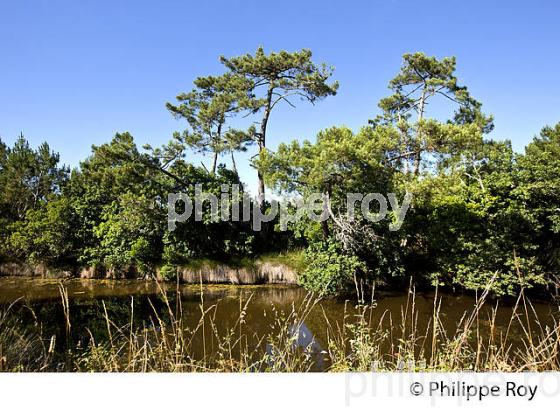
(481, 214)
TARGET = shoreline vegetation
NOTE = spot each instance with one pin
(359, 343)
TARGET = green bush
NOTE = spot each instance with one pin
(168, 272)
(329, 270)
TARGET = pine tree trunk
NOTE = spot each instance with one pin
(418, 156)
(233, 163)
(417, 163)
(262, 145)
(214, 162)
(326, 230)
(326, 206)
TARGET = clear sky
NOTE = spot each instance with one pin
(75, 72)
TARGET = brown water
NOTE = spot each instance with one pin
(89, 298)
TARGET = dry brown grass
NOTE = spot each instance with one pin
(359, 343)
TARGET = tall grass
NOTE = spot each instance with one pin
(361, 342)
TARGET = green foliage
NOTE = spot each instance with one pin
(100, 190)
(168, 272)
(473, 218)
(479, 226)
(539, 194)
(28, 180)
(421, 79)
(129, 234)
(275, 78)
(206, 109)
(338, 162)
(120, 196)
(285, 72)
(27, 177)
(481, 214)
(46, 235)
(329, 271)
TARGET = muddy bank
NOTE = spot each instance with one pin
(259, 272)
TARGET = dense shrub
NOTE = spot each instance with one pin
(329, 270)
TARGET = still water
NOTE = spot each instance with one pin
(90, 298)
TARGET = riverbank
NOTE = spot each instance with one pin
(276, 268)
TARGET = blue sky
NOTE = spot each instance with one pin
(74, 73)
